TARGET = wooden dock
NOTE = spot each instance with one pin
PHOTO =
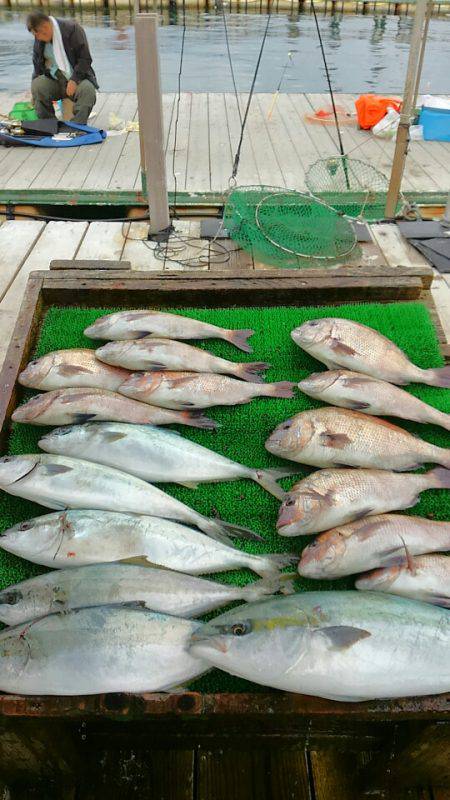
(276, 152)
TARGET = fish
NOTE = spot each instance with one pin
(111, 584)
(67, 406)
(369, 396)
(98, 650)
(339, 437)
(138, 324)
(77, 538)
(344, 343)
(150, 354)
(425, 578)
(184, 390)
(67, 369)
(331, 497)
(155, 455)
(60, 483)
(373, 541)
(347, 646)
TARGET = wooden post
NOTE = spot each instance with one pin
(430, 6)
(151, 122)
(402, 140)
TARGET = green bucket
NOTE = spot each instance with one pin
(23, 111)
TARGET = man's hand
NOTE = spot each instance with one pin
(71, 88)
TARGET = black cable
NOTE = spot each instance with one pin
(177, 115)
(341, 146)
(252, 89)
(230, 61)
(49, 218)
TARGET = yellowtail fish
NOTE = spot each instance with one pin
(335, 437)
(343, 343)
(137, 324)
(346, 646)
(161, 354)
(370, 396)
(66, 406)
(374, 541)
(331, 497)
(183, 390)
(67, 369)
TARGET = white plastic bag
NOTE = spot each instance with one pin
(386, 128)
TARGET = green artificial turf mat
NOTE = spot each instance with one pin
(245, 428)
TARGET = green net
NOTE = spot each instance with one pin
(285, 228)
(350, 186)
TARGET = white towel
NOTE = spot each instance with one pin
(61, 59)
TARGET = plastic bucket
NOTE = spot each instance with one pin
(436, 124)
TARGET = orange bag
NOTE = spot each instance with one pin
(371, 108)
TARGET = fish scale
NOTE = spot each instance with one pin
(425, 577)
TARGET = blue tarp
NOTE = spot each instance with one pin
(90, 136)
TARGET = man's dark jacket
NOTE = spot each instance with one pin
(77, 51)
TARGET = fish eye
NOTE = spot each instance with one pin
(313, 323)
(290, 502)
(25, 526)
(6, 459)
(240, 628)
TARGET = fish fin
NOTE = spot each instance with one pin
(79, 419)
(363, 513)
(187, 405)
(279, 560)
(342, 637)
(250, 372)
(220, 530)
(439, 600)
(180, 689)
(239, 339)
(437, 377)
(56, 469)
(357, 405)
(268, 480)
(336, 440)
(140, 561)
(281, 389)
(67, 370)
(156, 368)
(365, 531)
(183, 379)
(268, 585)
(340, 347)
(197, 420)
(141, 334)
(187, 484)
(440, 477)
(110, 436)
(409, 559)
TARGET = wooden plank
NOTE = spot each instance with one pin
(286, 154)
(226, 774)
(289, 775)
(300, 134)
(440, 292)
(109, 152)
(334, 774)
(395, 248)
(268, 167)
(103, 240)
(177, 161)
(88, 264)
(248, 173)
(220, 152)
(138, 249)
(198, 173)
(17, 238)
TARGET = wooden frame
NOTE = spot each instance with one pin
(241, 719)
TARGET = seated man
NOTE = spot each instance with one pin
(62, 66)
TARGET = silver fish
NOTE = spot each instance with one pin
(78, 538)
(370, 396)
(347, 646)
(112, 584)
(331, 497)
(67, 406)
(343, 343)
(375, 541)
(162, 354)
(424, 578)
(184, 390)
(328, 437)
(154, 455)
(60, 483)
(98, 650)
(66, 369)
(136, 324)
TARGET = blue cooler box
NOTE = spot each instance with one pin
(436, 124)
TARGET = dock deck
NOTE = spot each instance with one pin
(276, 151)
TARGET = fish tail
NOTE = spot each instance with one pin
(443, 457)
(436, 377)
(439, 478)
(267, 478)
(197, 420)
(283, 583)
(280, 389)
(250, 372)
(239, 339)
(444, 421)
(270, 565)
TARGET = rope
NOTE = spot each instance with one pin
(230, 61)
(252, 89)
(177, 115)
(327, 73)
